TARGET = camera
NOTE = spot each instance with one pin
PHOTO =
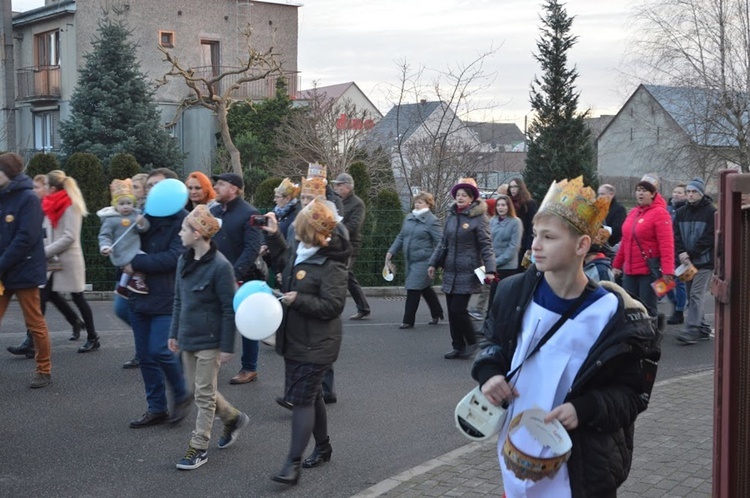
(258, 220)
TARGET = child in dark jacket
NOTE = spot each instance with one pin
(203, 329)
(594, 374)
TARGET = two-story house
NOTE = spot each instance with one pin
(50, 42)
(677, 132)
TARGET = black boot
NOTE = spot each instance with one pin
(321, 453)
(25, 348)
(77, 327)
(676, 318)
(91, 345)
(289, 473)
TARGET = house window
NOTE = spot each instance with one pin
(166, 39)
(44, 130)
(47, 48)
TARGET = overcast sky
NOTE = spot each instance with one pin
(362, 41)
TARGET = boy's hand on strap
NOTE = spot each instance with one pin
(497, 390)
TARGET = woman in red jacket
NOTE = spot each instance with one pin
(646, 234)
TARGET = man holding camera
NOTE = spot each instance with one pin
(239, 241)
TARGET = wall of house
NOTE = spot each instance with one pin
(642, 138)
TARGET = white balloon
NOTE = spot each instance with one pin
(258, 316)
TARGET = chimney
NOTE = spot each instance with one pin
(423, 101)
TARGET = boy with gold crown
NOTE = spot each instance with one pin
(585, 353)
(118, 239)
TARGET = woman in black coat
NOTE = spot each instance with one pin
(466, 245)
(314, 283)
(526, 208)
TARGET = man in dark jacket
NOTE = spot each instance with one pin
(694, 244)
(22, 263)
(151, 314)
(616, 216)
(240, 243)
(354, 218)
(678, 295)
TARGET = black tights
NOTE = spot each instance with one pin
(307, 420)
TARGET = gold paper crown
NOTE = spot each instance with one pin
(203, 221)
(287, 188)
(578, 205)
(313, 186)
(315, 170)
(320, 216)
(121, 188)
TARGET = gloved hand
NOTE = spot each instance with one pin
(489, 278)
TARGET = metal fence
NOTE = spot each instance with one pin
(382, 227)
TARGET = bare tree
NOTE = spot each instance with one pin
(702, 44)
(216, 94)
(324, 131)
(430, 146)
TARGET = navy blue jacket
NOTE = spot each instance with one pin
(237, 240)
(22, 263)
(163, 247)
(694, 232)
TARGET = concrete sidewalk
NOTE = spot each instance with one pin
(672, 458)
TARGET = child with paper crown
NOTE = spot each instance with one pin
(203, 331)
(587, 354)
(119, 239)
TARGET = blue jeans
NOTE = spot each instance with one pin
(678, 296)
(249, 358)
(121, 308)
(158, 363)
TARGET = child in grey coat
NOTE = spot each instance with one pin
(203, 330)
(119, 239)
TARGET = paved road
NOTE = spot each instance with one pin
(396, 393)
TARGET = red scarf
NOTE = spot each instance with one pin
(54, 205)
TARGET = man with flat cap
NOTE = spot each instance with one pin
(354, 218)
(240, 243)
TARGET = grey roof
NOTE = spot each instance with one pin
(402, 121)
(698, 112)
(497, 134)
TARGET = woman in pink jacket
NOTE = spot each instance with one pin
(646, 234)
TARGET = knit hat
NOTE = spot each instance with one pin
(650, 182)
(468, 184)
(11, 164)
(579, 206)
(320, 217)
(698, 185)
(313, 186)
(120, 189)
(287, 189)
(203, 221)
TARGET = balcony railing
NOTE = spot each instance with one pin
(251, 90)
(38, 83)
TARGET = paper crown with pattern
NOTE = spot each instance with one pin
(287, 188)
(203, 221)
(121, 188)
(320, 216)
(313, 186)
(315, 170)
(578, 205)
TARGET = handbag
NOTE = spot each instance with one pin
(477, 418)
(653, 264)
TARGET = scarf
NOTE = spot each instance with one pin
(54, 205)
(417, 212)
(283, 211)
(304, 252)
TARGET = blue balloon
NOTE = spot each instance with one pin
(166, 198)
(248, 288)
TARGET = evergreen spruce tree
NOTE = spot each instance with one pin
(112, 110)
(559, 142)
